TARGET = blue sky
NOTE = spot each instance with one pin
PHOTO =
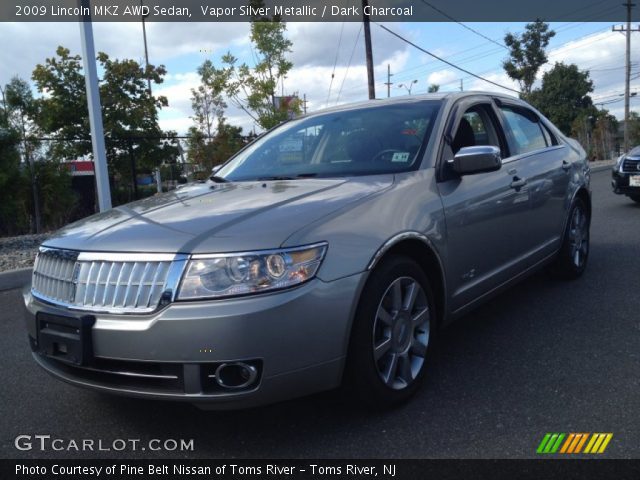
(182, 47)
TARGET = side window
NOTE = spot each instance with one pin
(475, 128)
(526, 132)
(548, 136)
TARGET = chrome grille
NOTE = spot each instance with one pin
(106, 282)
(630, 165)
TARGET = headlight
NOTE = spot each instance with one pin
(225, 275)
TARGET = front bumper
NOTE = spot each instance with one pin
(297, 340)
(620, 183)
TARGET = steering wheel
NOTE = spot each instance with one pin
(389, 151)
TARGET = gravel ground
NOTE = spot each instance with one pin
(19, 252)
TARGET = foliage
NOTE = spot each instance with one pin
(433, 88)
(14, 216)
(207, 101)
(206, 148)
(527, 54)
(129, 112)
(62, 113)
(207, 153)
(56, 196)
(634, 129)
(253, 89)
(564, 96)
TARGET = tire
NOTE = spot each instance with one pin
(635, 198)
(390, 374)
(574, 252)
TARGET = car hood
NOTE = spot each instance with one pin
(223, 217)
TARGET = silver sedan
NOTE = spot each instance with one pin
(327, 252)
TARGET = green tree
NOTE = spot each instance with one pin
(634, 128)
(564, 96)
(21, 109)
(527, 53)
(207, 101)
(129, 113)
(14, 191)
(253, 89)
(603, 135)
(211, 140)
(62, 113)
(433, 88)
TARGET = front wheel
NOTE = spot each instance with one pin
(635, 198)
(574, 252)
(392, 334)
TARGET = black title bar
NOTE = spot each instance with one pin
(313, 10)
(319, 469)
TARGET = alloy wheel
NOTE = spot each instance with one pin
(401, 333)
(579, 237)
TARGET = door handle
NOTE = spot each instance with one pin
(566, 165)
(518, 183)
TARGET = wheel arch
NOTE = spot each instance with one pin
(583, 194)
(419, 248)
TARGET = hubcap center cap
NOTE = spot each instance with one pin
(401, 333)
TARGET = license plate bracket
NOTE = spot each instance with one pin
(67, 339)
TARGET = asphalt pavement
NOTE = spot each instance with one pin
(546, 356)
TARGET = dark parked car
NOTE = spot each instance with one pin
(326, 252)
(625, 177)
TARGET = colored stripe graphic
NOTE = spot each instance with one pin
(598, 442)
(550, 443)
(573, 443)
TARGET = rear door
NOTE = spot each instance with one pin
(543, 164)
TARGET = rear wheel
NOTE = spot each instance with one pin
(392, 334)
(574, 252)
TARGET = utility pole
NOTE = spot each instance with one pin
(627, 29)
(304, 103)
(368, 51)
(461, 85)
(389, 82)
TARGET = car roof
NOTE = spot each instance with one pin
(405, 99)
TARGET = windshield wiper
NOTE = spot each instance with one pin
(217, 179)
(284, 177)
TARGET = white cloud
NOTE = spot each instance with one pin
(442, 77)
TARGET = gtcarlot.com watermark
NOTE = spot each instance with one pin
(45, 443)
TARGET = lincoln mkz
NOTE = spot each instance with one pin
(326, 253)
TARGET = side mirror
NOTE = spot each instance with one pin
(479, 159)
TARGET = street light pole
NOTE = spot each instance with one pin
(409, 86)
(95, 109)
(146, 51)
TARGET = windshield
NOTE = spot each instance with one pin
(363, 141)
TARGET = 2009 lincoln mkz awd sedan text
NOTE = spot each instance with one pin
(326, 252)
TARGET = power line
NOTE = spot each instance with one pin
(446, 15)
(335, 63)
(403, 75)
(355, 44)
(446, 61)
(426, 69)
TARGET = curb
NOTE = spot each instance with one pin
(14, 279)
